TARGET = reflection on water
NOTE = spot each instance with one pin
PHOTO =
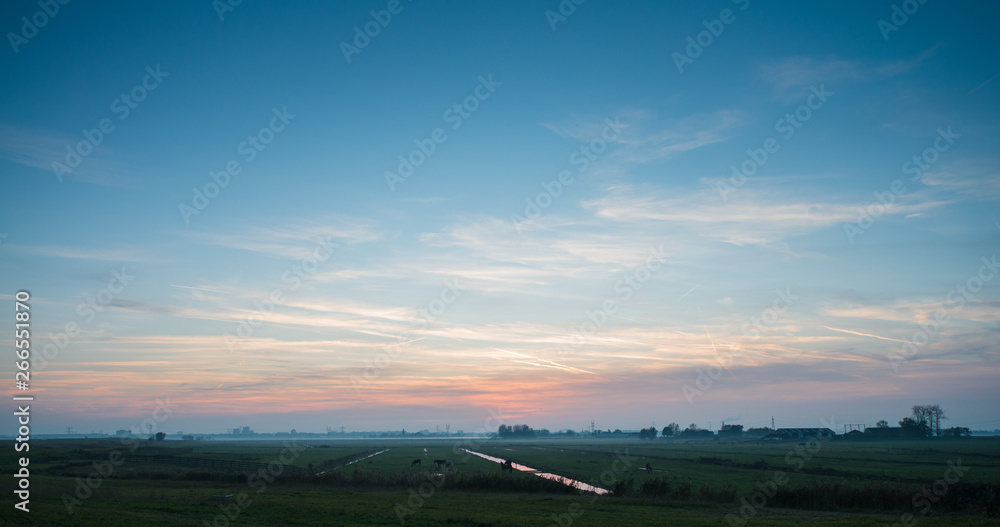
(355, 461)
(366, 457)
(554, 477)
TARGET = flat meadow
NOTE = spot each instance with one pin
(377, 482)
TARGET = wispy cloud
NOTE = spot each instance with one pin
(294, 239)
(749, 219)
(80, 253)
(586, 128)
(37, 149)
(645, 139)
(645, 142)
(791, 77)
(131, 304)
(971, 180)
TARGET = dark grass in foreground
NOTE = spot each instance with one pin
(164, 502)
(698, 484)
(974, 498)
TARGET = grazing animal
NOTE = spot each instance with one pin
(440, 462)
(648, 468)
(506, 466)
(416, 463)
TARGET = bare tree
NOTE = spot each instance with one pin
(937, 414)
(932, 414)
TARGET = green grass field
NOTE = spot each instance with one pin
(691, 484)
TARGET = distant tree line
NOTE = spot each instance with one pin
(924, 421)
(516, 431)
(693, 432)
(731, 431)
(956, 431)
(671, 430)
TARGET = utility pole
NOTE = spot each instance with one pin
(772, 423)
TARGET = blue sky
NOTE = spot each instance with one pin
(467, 287)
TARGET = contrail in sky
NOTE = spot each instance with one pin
(866, 334)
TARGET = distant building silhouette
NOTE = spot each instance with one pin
(885, 432)
(802, 433)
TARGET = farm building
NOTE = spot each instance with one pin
(802, 433)
(854, 435)
(886, 432)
